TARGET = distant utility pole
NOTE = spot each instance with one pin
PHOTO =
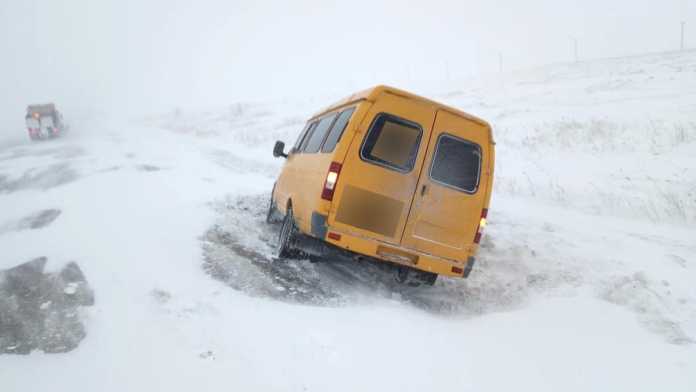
(681, 47)
(575, 48)
(500, 62)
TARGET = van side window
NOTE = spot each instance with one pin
(305, 137)
(337, 130)
(301, 136)
(319, 133)
(392, 142)
(457, 163)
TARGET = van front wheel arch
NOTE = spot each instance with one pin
(287, 237)
(273, 215)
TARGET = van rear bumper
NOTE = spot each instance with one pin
(395, 254)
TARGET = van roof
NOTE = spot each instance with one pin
(47, 108)
(371, 94)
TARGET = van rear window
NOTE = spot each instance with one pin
(319, 133)
(392, 142)
(457, 163)
(337, 130)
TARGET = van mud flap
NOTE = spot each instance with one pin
(319, 227)
(311, 246)
(469, 266)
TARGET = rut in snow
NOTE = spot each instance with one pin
(239, 250)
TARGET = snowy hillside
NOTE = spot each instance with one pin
(585, 279)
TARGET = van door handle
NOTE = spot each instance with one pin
(423, 189)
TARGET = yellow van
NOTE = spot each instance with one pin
(390, 176)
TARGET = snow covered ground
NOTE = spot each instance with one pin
(585, 279)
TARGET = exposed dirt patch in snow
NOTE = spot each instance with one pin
(247, 269)
(239, 250)
(40, 311)
(161, 296)
(34, 221)
(148, 168)
(38, 220)
(59, 153)
(647, 299)
(39, 178)
(110, 169)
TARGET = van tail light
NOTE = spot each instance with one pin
(331, 180)
(482, 224)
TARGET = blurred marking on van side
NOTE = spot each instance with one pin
(369, 211)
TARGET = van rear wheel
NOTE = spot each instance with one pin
(287, 237)
(413, 277)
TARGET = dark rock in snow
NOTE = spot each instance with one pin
(40, 178)
(38, 220)
(148, 168)
(39, 311)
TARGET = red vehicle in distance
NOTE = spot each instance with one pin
(44, 121)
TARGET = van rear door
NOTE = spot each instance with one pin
(47, 122)
(380, 171)
(451, 190)
(33, 123)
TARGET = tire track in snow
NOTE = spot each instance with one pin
(239, 250)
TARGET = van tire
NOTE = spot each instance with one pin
(413, 277)
(273, 215)
(287, 237)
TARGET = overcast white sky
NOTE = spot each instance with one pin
(159, 54)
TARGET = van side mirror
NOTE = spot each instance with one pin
(278, 150)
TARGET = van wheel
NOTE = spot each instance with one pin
(413, 277)
(273, 215)
(287, 237)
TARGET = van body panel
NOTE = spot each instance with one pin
(373, 93)
(300, 183)
(361, 109)
(443, 219)
(371, 199)
(374, 249)
(302, 177)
